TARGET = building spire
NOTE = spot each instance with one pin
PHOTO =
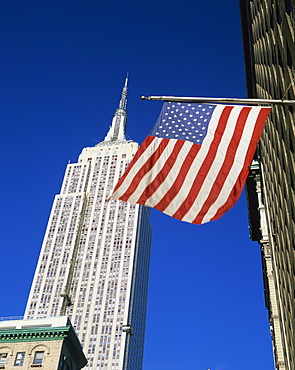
(117, 129)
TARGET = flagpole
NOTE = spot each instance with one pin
(218, 100)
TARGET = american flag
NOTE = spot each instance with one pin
(195, 161)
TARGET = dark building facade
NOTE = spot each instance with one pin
(269, 47)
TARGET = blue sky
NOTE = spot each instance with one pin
(63, 65)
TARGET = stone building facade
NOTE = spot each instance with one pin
(50, 344)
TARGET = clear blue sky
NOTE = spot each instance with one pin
(62, 66)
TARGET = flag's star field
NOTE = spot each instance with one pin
(183, 121)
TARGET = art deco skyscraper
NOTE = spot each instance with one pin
(94, 261)
(269, 45)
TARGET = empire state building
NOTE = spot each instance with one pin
(94, 261)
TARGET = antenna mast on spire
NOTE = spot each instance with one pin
(123, 101)
(117, 129)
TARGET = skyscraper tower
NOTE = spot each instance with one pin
(94, 261)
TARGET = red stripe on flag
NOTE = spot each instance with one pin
(174, 189)
(226, 166)
(150, 162)
(146, 143)
(239, 185)
(161, 176)
(205, 167)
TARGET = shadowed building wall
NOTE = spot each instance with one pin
(268, 33)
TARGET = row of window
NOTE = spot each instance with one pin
(20, 357)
